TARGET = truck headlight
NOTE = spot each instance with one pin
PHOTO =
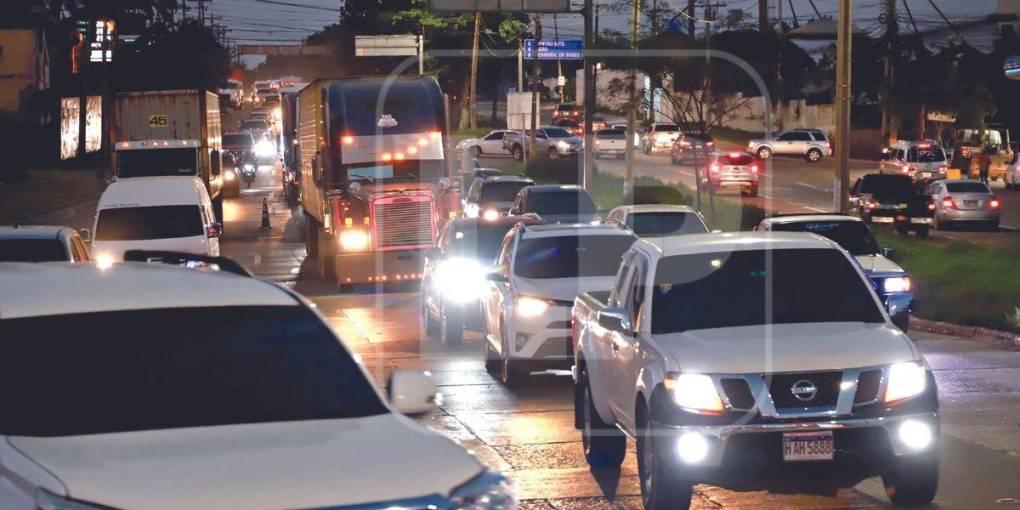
(896, 284)
(460, 279)
(530, 306)
(264, 149)
(46, 500)
(488, 491)
(906, 380)
(695, 392)
(353, 240)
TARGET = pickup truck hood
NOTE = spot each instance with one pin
(787, 348)
(309, 464)
(562, 289)
(877, 264)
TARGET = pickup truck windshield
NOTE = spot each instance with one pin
(32, 250)
(854, 236)
(157, 162)
(141, 223)
(665, 223)
(754, 287)
(571, 256)
(173, 368)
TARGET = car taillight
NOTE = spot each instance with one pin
(994, 203)
(710, 144)
(872, 204)
(714, 168)
(949, 203)
(931, 206)
(906, 169)
(754, 168)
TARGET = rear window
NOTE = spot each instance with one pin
(665, 223)
(611, 134)
(571, 256)
(755, 287)
(736, 159)
(887, 185)
(926, 154)
(561, 202)
(967, 187)
(33, 250)
(854, 236)
(253, 124)
(568, 107)
(557, 132)
(500, 191)
(667, 127)
(174, 368)
(141, 223)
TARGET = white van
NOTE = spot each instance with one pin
(155, 213)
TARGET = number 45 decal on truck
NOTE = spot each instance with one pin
(157, 120)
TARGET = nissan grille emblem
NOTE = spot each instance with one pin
(804, 390)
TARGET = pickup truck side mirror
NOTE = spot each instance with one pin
(496, 276)
(214, 231)
(615, 319)
(411, 392)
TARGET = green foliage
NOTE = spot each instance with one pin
(552, 171)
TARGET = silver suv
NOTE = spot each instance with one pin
(552, 141)
(811, 144)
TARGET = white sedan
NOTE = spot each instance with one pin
(170, 388)
(491, 143)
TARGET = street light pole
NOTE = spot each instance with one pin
(587, 161)
(844, 36)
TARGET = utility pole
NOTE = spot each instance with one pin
(587, 161)
(691, 6)
(85, 63)
(843, 67)
(763, 15)
(536, 80)
(628, 171)
(559, 63)
(889, 70)
(473, 114)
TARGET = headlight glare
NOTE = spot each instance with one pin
(695, 392)
(471, 210)
(531, 307)
(264, 148)
(354, 240)
(459, 279)
(489, 491)
(490, 215)
(906, 380)
(896, 284)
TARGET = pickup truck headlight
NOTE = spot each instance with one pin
(896, 284)
(460, 279)
(906, 380)
(46, 500)
(530, 306)
(488, 491)
(695, 392)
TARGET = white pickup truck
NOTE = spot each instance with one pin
(752, 360)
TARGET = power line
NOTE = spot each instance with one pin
(302, 6)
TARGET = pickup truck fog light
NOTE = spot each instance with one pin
(692, 447)
(915, 435)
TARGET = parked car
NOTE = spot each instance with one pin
(964, 202)
(492, 197)
(893, 199)
(568, 111)
(811, 144)
(554, 142)
(687, 146)
(556, 203)
(610, 142)
(539, 271)
(891, 282)
(41, 243)
(922, 161)
(491, 143)
(453, 280)
(659, 137)
(659, 223)
(169, 387)
(154, 213)
(732, 170)
(752, 361)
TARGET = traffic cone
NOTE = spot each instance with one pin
(265, 214)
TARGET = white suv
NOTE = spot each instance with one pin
(659, 137)
(150, 386)
(752, 360)
(811, 144)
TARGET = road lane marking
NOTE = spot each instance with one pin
(815, 209)
(812, 186)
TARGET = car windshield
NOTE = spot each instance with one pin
(650, 224)
(611, 134)
(156, 162)
(477, 240)
(967, 187)
(854, 236)
(32, 250)
(237, 141)
(755, 287)
(561, 202)
(571, 256)
(888, 186)
(175, 368)
(926, 154)
(141, 223)
(557, 132)
(501, 191)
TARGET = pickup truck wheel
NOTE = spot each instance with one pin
(604, 445)
(217, 206)
(451, 327)
(662, 487)
(913, 481)
(511, 374)
(764, 153)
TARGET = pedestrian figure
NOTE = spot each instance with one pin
(984, 165)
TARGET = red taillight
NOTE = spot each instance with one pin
(714, 168)
(948, 203)
(872, 204)
(994, 203)
(906, 169)
(931, 206)
(710, 144)
(754, 169)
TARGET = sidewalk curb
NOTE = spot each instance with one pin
(972, 332)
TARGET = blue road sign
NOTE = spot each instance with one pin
(556, 49)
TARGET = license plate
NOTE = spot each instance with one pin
(808, 446)
(921, 220)
(926, 175)
(970, 203)
(882, 219)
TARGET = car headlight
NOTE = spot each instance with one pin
(459, 279)
(229, 175)
(353, 240)
(695, 392)
(264, 148)
(104, 260)
(46, 500)
(530, 306)
(896, 284)
(490, 215)
(488, 491)
(906, 380)
(563, 145)
(471, 210)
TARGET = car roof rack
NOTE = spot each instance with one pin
(193, 260)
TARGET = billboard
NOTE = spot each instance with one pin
(69, 119)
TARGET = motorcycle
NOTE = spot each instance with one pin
(248, 173)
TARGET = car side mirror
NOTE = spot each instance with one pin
(614, 319)
(888, 252)
(85, 235)
(411, 392)
(214, 231)
(496, 276)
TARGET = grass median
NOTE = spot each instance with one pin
(961, 282)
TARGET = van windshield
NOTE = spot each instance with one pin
(142, 223)
(157, 162)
